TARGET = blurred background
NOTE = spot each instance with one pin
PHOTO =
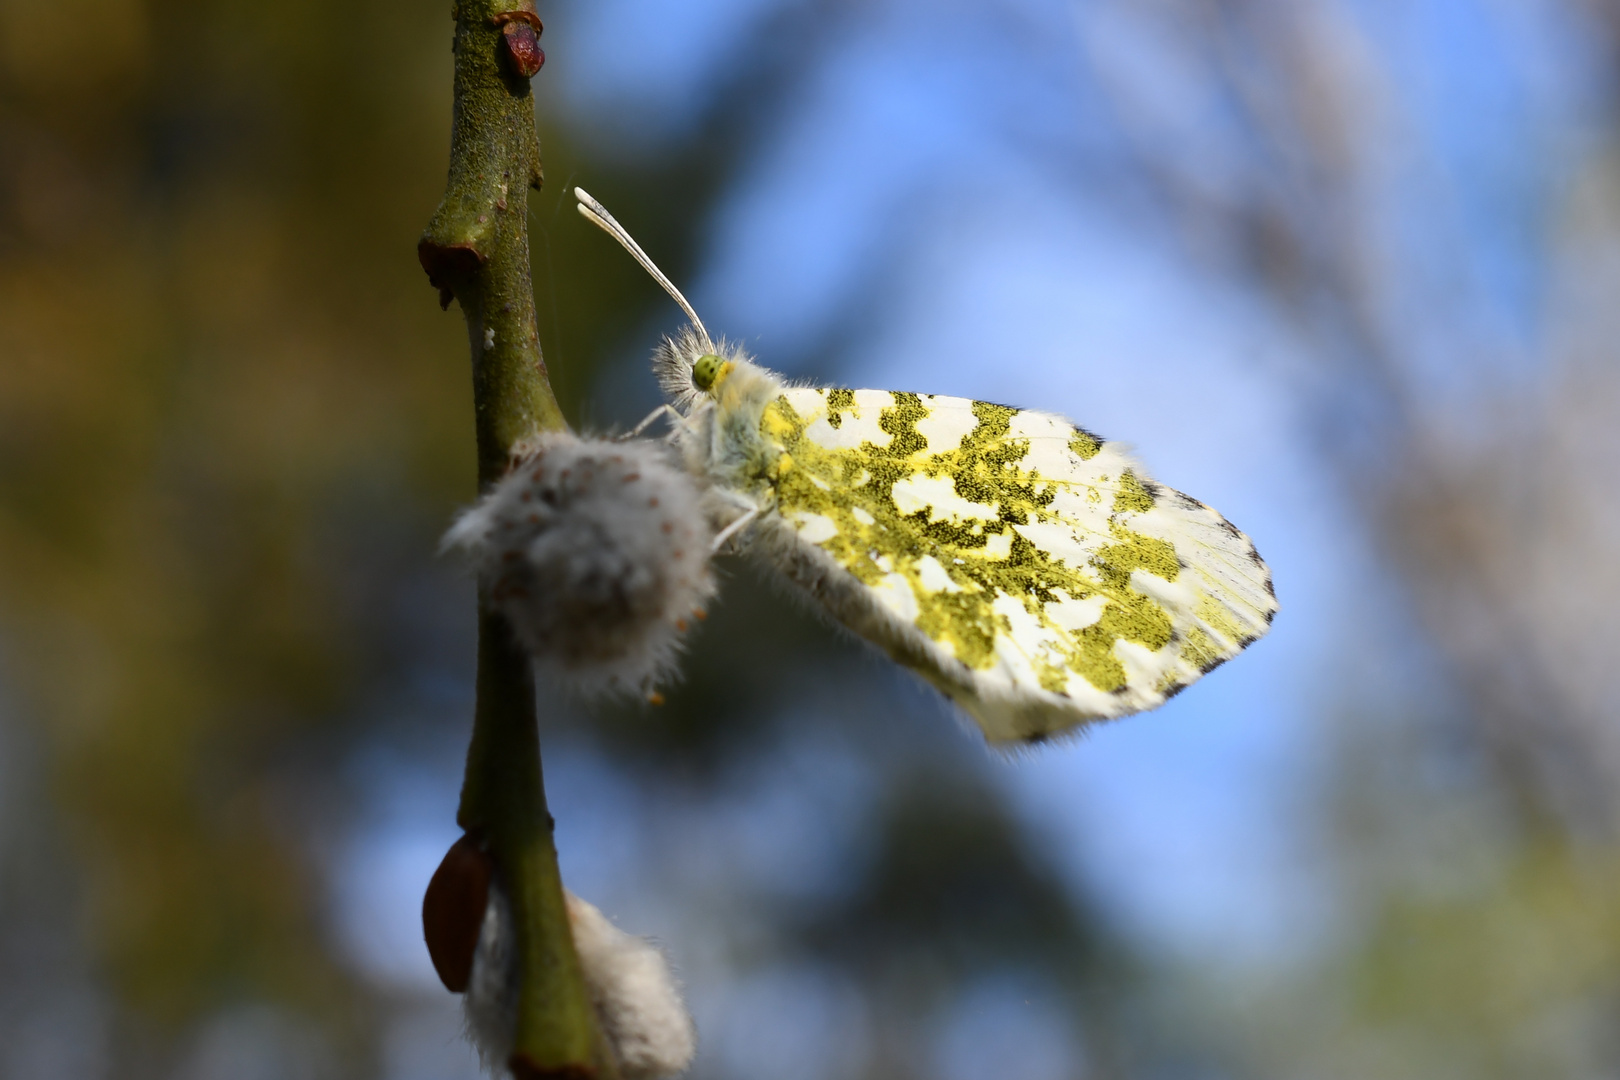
(1349, 270)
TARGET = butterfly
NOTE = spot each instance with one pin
(1029, 570)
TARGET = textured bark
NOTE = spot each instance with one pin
(476, 251)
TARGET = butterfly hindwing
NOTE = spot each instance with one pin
(1024, 566)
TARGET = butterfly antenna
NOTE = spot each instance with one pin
(596, 212)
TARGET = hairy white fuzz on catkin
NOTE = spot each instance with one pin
(638, 1002)
(597, 551)
(491, 999)
(637, 999)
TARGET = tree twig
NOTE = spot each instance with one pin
(476, 250)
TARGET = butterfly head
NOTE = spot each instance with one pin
(709, 370)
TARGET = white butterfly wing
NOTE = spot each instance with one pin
(1026, 568)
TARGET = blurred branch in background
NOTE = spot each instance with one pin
(1483, 513)
(1487, 489)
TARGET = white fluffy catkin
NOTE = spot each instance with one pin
(597, 551)
(638, 1002)
(490, 1001)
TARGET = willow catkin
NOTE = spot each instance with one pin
(597, 551)
(637, 1000)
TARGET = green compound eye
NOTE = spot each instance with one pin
(706, 370)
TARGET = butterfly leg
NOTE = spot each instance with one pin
(675, 418)
(737, 525)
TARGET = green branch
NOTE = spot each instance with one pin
(476, 251)
(476, 248)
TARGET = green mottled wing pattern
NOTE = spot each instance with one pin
(1029, 569)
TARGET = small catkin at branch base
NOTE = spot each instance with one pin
(637, 1000)
(597, 552)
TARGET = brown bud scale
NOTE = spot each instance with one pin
(453, 911)
(520, 42)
